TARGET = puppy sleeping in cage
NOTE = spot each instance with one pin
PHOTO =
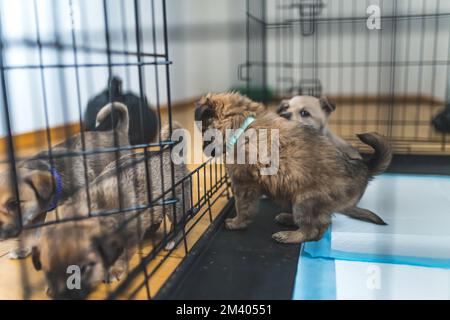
(313, 178)
(43, 183)
(103, 245)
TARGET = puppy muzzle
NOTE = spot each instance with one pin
(9, 231)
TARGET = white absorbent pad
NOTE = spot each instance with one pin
(383, 281)
(417, 210)
(329, 279)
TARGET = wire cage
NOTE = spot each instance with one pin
(385, 63)
(55, 55)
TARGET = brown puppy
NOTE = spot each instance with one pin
(315, 112)
(102, 246)
(42, 185)
(314, 177)
(311, 111)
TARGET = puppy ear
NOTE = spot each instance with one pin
(42, 183)
(327, 105)
(204, 112)
(36, 258)
(108, 248)
(284, 104)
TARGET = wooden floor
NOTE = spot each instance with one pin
(406, 124)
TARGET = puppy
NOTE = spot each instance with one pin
(441, 121)
(314, 178)
(143, 121)
(315, 112)
(43, 185)
(308, 110)
(101, 246)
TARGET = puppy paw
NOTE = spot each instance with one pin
(170, 245)
(17, 254)
(115, 273)
(234, 224)
(48, 292)
(289, 237)
(285, 219)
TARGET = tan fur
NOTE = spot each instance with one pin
(37, 185)
(315, 178)
(317, 115)
(107, 243)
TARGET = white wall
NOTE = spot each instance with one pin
(206, 42)
(347, 43)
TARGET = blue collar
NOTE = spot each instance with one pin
(236, 135)
(58, 190)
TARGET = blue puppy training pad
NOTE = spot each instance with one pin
(330, 279)
(315, 279)
(417, 210)
(414, 246)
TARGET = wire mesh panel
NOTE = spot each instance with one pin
(87, 178)
(385, 63)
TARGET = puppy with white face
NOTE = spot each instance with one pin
(315, 112)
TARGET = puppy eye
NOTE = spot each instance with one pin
(12, 205)
(304, 114)
(282, 108)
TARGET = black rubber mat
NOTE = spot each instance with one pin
(245, 264)
(420, 164)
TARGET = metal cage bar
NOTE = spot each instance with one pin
(390, 80)
(130, 38)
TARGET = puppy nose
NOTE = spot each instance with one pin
(286, 115)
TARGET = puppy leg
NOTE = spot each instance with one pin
(285, 219)
(116, 271)
(312, 219)
(246, 197)
(26, 240)
(178, 221)
(19, 253)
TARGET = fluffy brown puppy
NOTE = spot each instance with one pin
(314, 177)
(311, 111)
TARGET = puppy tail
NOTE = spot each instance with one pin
(383, 153)
(165, 130)
(119, 112)
(363, 214)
